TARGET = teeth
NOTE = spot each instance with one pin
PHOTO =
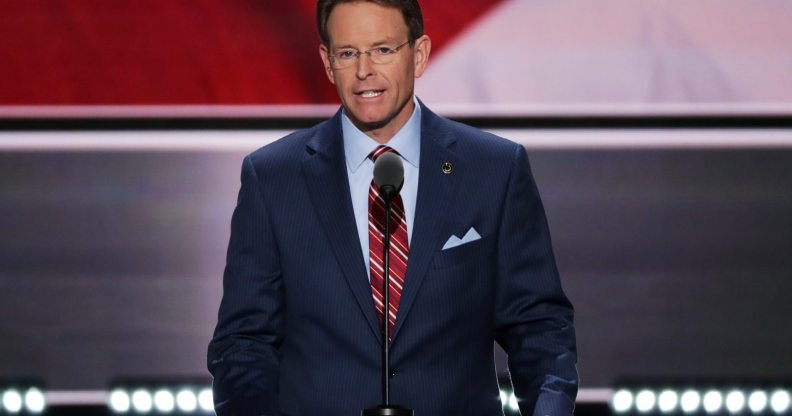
(369, 94)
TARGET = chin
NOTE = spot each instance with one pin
(372, 119)
(374, 124)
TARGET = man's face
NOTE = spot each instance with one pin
(376, 97)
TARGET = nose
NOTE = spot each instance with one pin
(364, 66)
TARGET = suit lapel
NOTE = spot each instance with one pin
(325, 173)
(435, 189)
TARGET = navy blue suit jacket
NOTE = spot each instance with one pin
(298, 334)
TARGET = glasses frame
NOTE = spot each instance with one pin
(334, 57)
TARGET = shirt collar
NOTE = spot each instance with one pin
(407, 141)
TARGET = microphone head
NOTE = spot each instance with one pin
(389, 173)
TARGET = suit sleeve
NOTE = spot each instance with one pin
(243, 353)
(534, 318)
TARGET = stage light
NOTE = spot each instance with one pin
(12, 401)
(186, 401)
(141, 401)
(504, 397)
(35, 401)
(164, 401)
(735, 401)
(757, 401)
(205, 400)
(690, 401)
(779, 401)
(622, 401)
(513, 405)
(713, 400)
(645, 401)
(667, 401)
(119, 401)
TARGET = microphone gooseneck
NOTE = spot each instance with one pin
(389, 178)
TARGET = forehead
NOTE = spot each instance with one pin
(365, 24)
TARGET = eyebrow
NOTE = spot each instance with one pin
(383, 42)
(347, 46)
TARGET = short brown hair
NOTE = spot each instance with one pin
(409, 9)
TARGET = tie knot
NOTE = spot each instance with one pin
(379, 151)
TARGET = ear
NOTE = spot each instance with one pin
(323, 52)
(421, 51)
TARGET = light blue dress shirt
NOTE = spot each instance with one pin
(360, 171)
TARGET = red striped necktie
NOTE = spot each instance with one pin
(399, 248)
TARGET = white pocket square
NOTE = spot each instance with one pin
(453, 241)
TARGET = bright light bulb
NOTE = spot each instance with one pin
(141, 401)
(119, 401)
(35, 401)
(713, 400)
(12, 401)
(779, 401)
(513, 405)
(667, 401)
(690, 401)
(622, 401)
(757, 401)
(645, 400)
(186, 401)
(164, 401)
(735, 401)
(205, 400)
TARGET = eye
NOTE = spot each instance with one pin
(346, 54)
(384, 50)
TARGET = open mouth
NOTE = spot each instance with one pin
(370, 93)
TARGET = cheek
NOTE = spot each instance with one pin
(404, 77)
(342, 82)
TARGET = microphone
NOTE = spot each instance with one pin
(389, 177)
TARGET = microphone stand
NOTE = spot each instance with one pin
(386, 409)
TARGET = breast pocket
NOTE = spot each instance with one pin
(465, 253)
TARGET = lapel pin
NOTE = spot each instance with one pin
(447, 168)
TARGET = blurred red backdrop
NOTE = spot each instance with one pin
(177, 52)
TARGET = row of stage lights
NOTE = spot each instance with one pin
(134, 399)
(140, 400)
(161, 400)
(196, 398)
(26, 400)
(712, 401)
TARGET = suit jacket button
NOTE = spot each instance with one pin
(393, 373)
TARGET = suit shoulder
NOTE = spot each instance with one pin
(292, 143)
(287, 151)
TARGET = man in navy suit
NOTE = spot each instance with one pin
(299, 328)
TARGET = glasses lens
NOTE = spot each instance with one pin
(339, 62)
(385, 58)
(377, 56)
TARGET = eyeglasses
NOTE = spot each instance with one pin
(378, 55)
